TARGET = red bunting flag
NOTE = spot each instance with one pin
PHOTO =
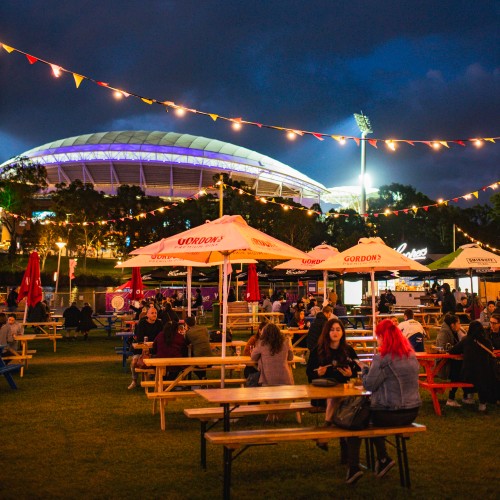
(31, 59)
(373, 142)
(356, 140)
(318, 136)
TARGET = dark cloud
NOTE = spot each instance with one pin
(420, 70)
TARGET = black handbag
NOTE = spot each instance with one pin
(324, 382)
(352, 413)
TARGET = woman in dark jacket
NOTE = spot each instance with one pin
(477, 366)
(171, 343)
(86, 322)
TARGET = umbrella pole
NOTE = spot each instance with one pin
(25, 310)
(325, 279)
(374, 321)
(224, 314)
(189, 278)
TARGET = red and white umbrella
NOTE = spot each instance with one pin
(154, 260)
(229, 238)
(31, 286)
(368, 256)
(316, 256)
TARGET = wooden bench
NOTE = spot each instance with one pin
(241, 440)
(214, 415)
(436, 388)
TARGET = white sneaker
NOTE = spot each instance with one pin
(133, 385)
(453, 403)
(468, 401)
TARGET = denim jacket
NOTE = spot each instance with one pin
(393, 382)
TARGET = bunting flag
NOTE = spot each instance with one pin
(72, 266)
(58, 71)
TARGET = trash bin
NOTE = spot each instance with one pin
(216, 315)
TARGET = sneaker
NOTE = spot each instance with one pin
(353, 475)
(453, 403)
(468, 401)
(133, 384)
(482, 407)
(383, 466)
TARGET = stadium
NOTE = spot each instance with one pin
(167, 164)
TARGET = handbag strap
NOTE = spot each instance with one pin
(485, 348)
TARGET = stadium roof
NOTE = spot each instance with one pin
(167, 164)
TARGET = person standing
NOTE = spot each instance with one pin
(448, 304)
(149, 326)
(12, 300)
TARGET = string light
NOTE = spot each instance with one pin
(460, 230)
(236, 126)
(181, 111)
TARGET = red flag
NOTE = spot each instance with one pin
(253, 292)
(72, 265)
(136, 285)
(31, 287)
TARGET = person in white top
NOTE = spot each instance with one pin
(277, 305)
(413, 331)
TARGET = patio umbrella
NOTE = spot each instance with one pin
(468, 258)
(136, 286)
(253, 292)
(315, 256)
(155, 260)
(31, 286)
(368, 256)
(229, 238)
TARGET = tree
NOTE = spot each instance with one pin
(20, 181)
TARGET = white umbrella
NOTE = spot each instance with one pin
(368, 256)
(316, 256)
(147, 260)
(229, 238)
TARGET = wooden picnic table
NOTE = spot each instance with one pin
(20, 357)
(246, 319)
(106, 321)
(354, 319)
(48, 329)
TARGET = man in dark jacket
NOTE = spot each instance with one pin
(71, 317)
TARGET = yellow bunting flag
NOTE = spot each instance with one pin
(476, 194)
(489, 139)
(78, 79)
(147, 101)
(444, 143)
(7, 48)
(214, 116)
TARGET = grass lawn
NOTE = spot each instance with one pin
(73, 430)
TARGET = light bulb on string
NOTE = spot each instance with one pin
(56, 70)
(291, 135)
(478, 143)
(391, 144)
(180, 111)
(342, 140)
(236, 126)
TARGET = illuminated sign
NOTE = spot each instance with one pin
(420, 254)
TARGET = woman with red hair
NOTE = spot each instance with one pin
(395, 401)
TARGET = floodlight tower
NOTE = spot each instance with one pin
(365, 128)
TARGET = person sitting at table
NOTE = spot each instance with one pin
(38, 313)
(299, 321)
(277, 304)
(413, 331)
(3, 333)
(171, 343)
(394, 320)
(462, 308)
(395, 401)
(167, 313)
(86, 322)
(339, 309)
(477, 365)
(333, 358)
(383, 304)
(149, 326)
(272, 352)
(9, 328)
(449, 335)
(143, 306)
(475, 308)
(267, 305)
(486, 314)
(313, 308)
(250, 371)
(198, 338)
(493, 332)
(447, 303)
(71, 317)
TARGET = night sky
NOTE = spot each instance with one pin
(427, 70)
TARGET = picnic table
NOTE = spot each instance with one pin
(8, 370)
(249, 319)
(354, 319)
(433, 364)
(124, 348)
(21, 357)
(48, 330)
(106, 321)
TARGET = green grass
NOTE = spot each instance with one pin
(72, 429)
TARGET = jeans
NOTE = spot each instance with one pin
(380, 418)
